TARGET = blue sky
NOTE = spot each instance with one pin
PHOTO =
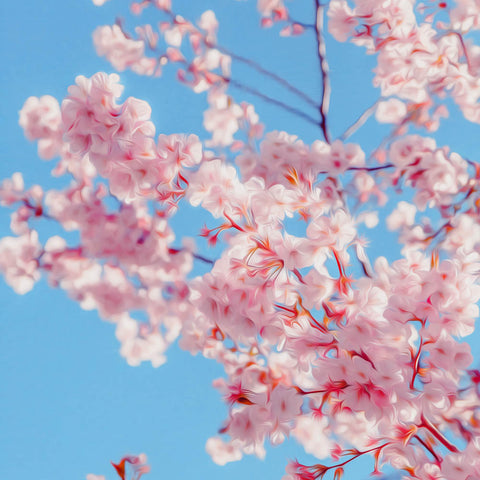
(69, 402)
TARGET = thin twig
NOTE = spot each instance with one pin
(308, 26)
(256, 66)
(429, 449)
(363, 169)
(322, 57)
(203, 259)
(254, 91)
(371, 169)
(174, 251)
(268, 99)
(360, 121)
(464, 48)
(437, 434)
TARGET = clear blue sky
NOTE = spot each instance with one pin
(69, 403)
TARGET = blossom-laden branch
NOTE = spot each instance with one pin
(349, 363)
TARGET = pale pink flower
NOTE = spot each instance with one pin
(335, 232)
(464, 234)
(41, 120)
(437, 174)
(313, 434)
(173, 36)
(341, 20)
(449, 355)
(111, 295)
(209, 23)
(462, 465)
(216, 187)
(12, 189)
(249, 425)
(195, 334)
(223, 452)
(268, 7)
(403, 216)
(177, 152)
(465, 16)
(88, 111)
(19, 261)
(222, 118)
(342, 156)
(120, 51)
(356, 429)
(140, 344)
(391, 111)
(163, 4)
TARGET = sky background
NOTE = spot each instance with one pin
(69, 403)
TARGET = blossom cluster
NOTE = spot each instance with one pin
(351, 356)
(417, 60)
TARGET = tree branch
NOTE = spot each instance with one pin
(256, 66)
(359, 121)
(268, 99)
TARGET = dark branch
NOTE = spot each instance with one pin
(256, 66)
(322, 58)
(268, 99)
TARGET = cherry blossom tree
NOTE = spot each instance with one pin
(319, 339)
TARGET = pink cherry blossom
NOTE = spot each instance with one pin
(40, 119)
(221, 451)
(342, 21)
(222, 119)
(391, 111)
(122, 52)
(19, 261)
(318, 336)
(12, 189)
(403, 215)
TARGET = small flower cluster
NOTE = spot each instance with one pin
(417, 59)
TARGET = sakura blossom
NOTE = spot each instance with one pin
(40, 119)
(121, 51)
(320, 338)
